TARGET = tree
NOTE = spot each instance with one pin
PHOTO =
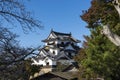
(13, 12)
(106, 30)
(12, 55)
(13, 58)
(101, 55)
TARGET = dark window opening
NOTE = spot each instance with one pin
(47, 63)
(53, 52)
(69, 54)
(62, 43)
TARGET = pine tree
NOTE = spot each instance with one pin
(101, 56)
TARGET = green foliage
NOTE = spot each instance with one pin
(100, 11)
(28, 70)
(101, 57)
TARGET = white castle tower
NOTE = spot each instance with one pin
(59, 47)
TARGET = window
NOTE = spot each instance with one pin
(62, 43)
(69, 54)
(47, 63)
(53, 52)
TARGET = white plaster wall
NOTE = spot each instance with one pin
(56, 51)
(50, 62)
(56, 42)
(41, 62)
(45, 44)
(51, 41)
(44, 62)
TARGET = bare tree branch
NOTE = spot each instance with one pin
(14, 12)
(11, 52)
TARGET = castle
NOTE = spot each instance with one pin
(59, 47)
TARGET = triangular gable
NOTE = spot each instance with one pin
(61, 55)
(42, 53)
(51, 36)
(47, 58)
(69, 47)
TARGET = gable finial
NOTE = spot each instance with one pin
(70, 33)
(51, 29)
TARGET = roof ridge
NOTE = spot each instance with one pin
(60, 33)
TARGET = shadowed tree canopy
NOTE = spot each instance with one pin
(14, 63)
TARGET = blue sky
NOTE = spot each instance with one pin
(59, 15)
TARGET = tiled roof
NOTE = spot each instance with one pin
(61, 36)
(58, 33)
(66, 75)
(57, 76)
(46, 40)
(71, 66)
